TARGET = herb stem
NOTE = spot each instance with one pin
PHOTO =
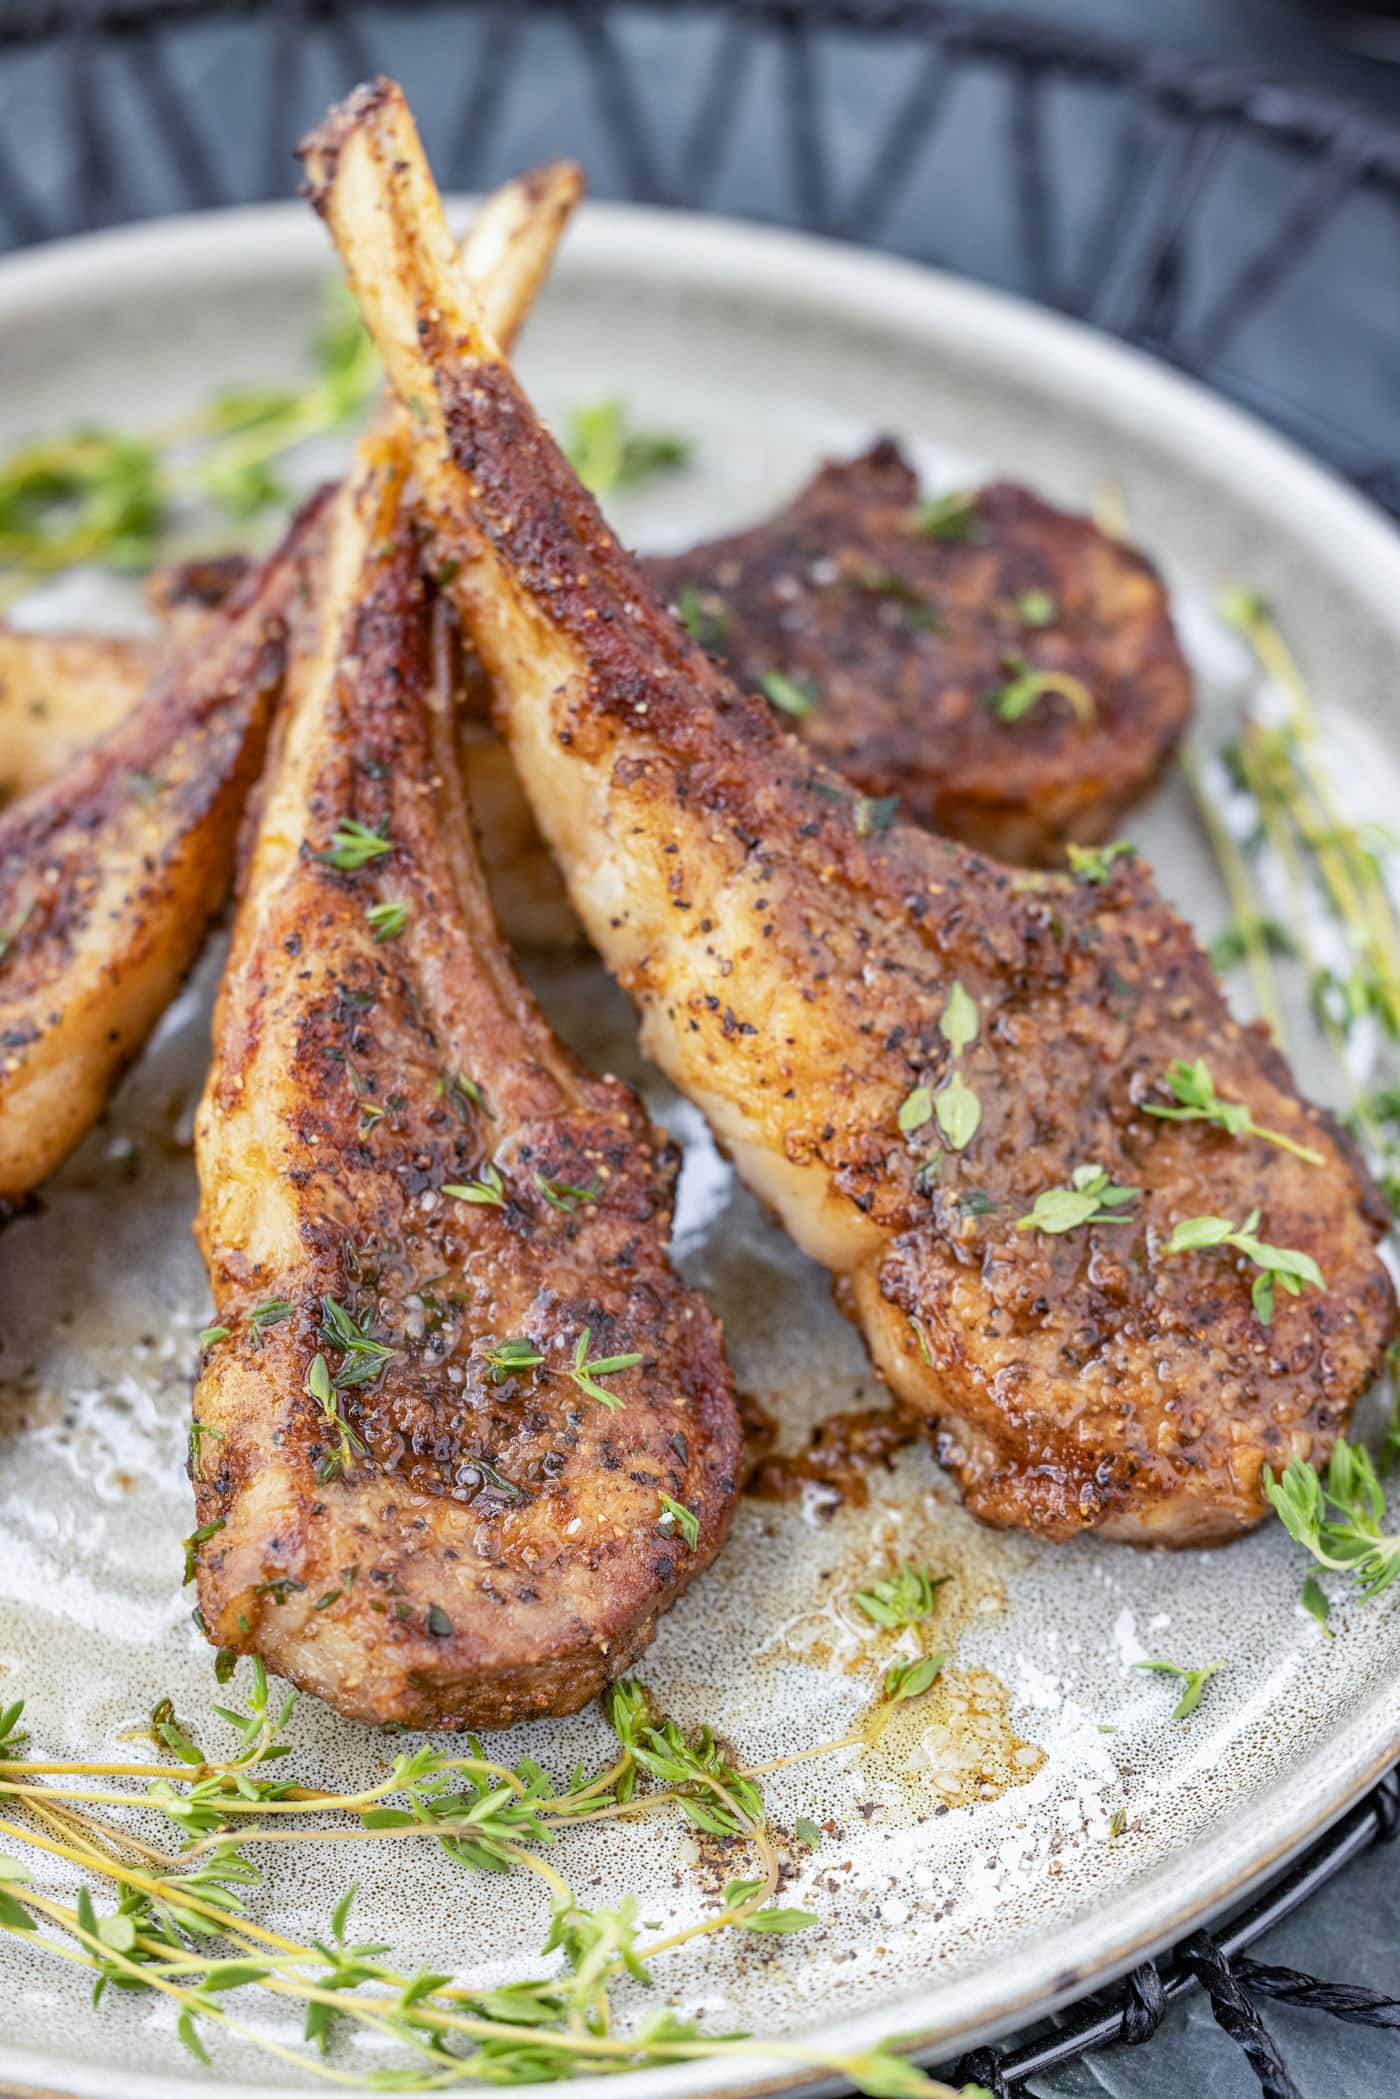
(1240, 888)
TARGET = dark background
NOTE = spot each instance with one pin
(1147, 196)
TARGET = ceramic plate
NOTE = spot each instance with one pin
(975, 1875)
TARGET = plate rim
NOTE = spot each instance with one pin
(679, 250)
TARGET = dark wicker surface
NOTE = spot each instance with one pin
(1238, 231)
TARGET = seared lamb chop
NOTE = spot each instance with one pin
(111, 873)
(473, 1433)
(1004, 668)
(903, 1046)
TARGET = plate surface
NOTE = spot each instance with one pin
(974, 1876)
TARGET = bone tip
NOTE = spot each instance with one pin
(320, 151)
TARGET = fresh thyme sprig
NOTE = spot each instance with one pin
(488, 1187)
(116, 498)
(586, 1375)
(386, 921)
(1193, 1680)
(1198, 1101)
(564, 1195)
(1284, 1266)
(181, 1929)
(1091, 1198)
(362, 1356)
(1338, 1518)
(353, 845)
(608, 455)
(906, 1597)
(334, 1463)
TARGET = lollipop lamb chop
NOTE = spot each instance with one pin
(907, 1050)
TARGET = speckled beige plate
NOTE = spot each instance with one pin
(974, 1877)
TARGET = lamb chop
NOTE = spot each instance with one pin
(944, 1077)
(110, 875)
(473, 1433)
(111, 872)
(1006, 669)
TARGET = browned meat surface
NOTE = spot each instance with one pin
(905, 645)
(902, 1045)
(419, 1511)
(58, 692)
(110, 875)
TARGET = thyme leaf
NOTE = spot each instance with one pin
(795, 696)
(1194, 1680)
(586, 1375)
(353, 845)
(1198, 1101)
(608, 455)
(906, 1597)
(1284, 1266)
(1092, 865)
(1337, 1516)
(1091, 1198)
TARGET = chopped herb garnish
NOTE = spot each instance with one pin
(959, 1113)
(1281, 1265)
(386, 921)
(208, 1335)
(675, 1516)
(272, 1313)
(951, 516)
(1013, 701)
(198, 1431)
(1339, 1521)
(911, 1679)
(906, 1597)
(1037, 608)
(1091, 1198)
(586, 1375)
(797, 696)
(607, 455)
(1313, 1597)
(564, 1195)
(464, 1093)
(354, 845)
(488, 1188)
(509, 1356)
(197, 1538)
(915, 1109)
(875, 813)
(807, 1832)
(364, 1358)
(1091, 864)
(439, 1624)
(1198, 1101)
(1235, 943)
(958, 1025)
(704, 615)
(318, 1384)
(1195, 1681)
